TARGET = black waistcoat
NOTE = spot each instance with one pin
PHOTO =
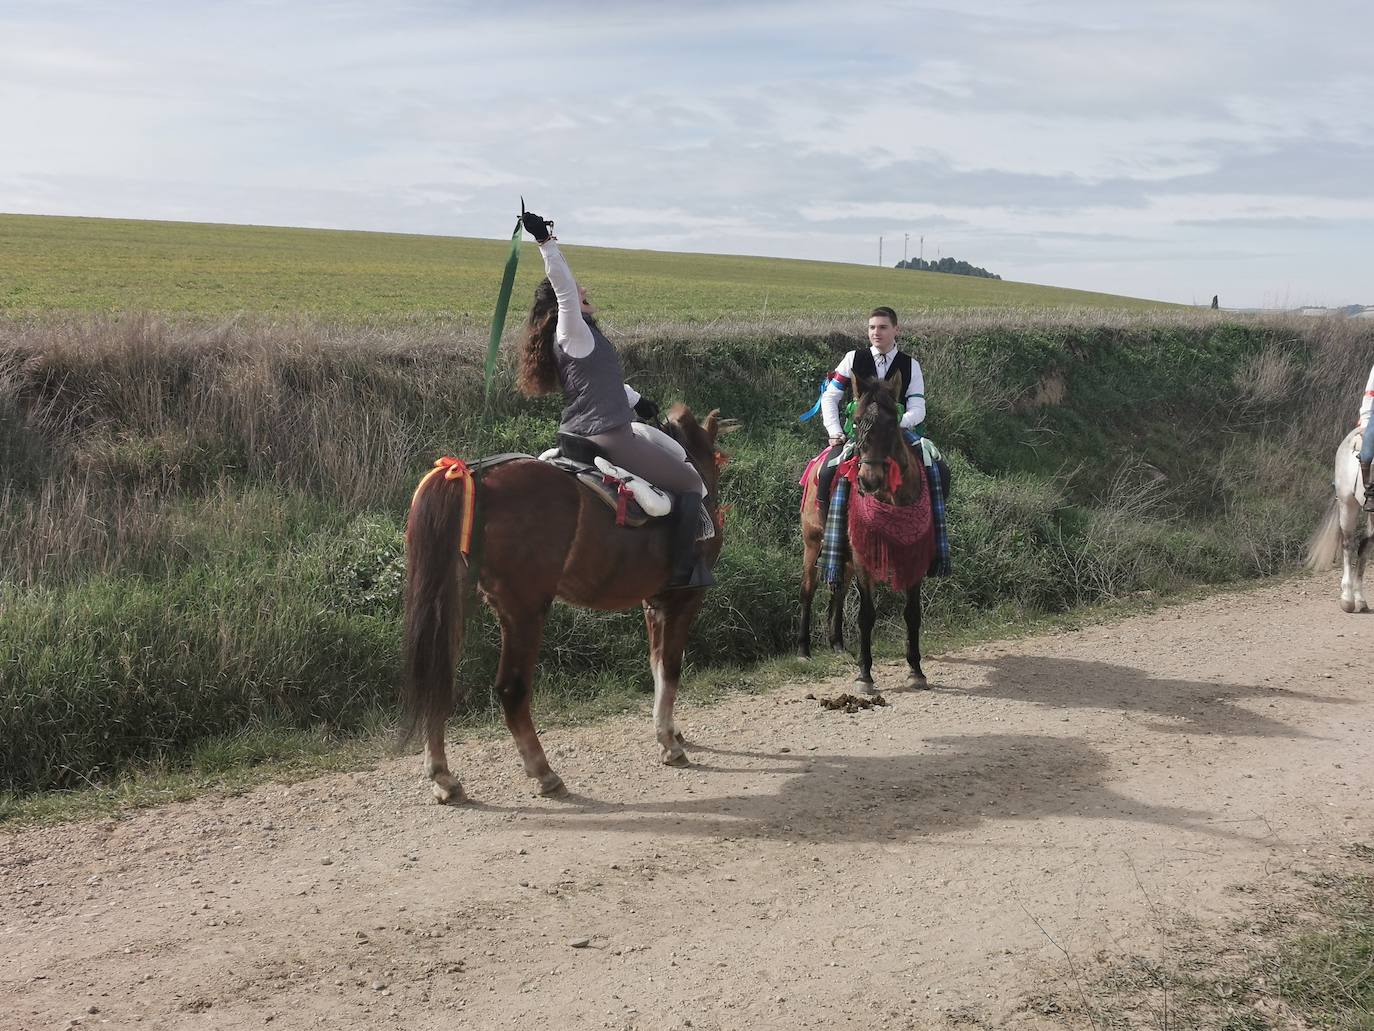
(900, 366)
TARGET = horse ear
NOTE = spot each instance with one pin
(712, 424)
(865, 384)
(894, 387)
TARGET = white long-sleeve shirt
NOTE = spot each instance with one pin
(572, 333)
(914, 404)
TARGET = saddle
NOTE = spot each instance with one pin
(579, 457)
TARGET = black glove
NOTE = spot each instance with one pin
(536, 225)
(646, 409)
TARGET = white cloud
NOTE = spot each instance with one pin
(1062, 137)
(1151, 219)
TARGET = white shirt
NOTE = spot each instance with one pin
(572, 333)
(915, 401)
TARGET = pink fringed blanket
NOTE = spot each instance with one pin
(894, 542)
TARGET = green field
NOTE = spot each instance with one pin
(51, 264)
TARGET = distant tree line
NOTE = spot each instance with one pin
(953, 266)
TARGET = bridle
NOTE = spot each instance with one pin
(862, 427)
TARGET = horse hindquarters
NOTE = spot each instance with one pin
(435, 586)
(813, 535)
(1344, 528)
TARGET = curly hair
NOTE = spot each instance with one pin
(538, 368)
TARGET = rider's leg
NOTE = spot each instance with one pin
(636, 455)
(664, 470)
(1366, 455)
(825, 479)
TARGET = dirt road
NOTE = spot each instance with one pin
(922, 865)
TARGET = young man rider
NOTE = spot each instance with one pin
(884, 360)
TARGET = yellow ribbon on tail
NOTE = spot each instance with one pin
(456, 469)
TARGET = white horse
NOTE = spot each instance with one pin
(1345, 527)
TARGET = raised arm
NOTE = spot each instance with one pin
(571, 333)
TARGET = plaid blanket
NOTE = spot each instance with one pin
(940, 564)
(835, 542)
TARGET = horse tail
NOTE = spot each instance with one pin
(1325, 544)
(436, 586)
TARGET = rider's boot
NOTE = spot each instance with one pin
(1368, 487)
(689, 569)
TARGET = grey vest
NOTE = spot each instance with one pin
(594, 388)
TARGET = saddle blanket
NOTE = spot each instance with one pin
(634, 500)
(835, 539)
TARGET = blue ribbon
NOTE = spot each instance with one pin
(825, 384)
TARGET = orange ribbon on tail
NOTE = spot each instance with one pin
(456, 469)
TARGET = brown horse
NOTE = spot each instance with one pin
(888, 477)
(541, 537)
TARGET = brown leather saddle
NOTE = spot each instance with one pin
(575, 456)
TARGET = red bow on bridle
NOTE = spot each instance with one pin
(850, 470)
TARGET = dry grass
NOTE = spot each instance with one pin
(200, 524)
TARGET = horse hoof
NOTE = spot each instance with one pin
(803, 656)
(448, 791)
(1347, 605)
(676, 757)
(916, 682)
(864, 686)
(551, 784)
(1363, 606)
(837, 647)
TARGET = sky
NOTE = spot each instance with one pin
(1172, 150)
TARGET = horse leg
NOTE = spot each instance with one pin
(867, 617)
(669, 618)
(915, 677)
(520, 637)
(444, 784)
(1352, 562)
(835, 612)
(1361, 553)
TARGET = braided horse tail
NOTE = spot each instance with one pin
(438, 536)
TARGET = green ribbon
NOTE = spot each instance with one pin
(498, 321)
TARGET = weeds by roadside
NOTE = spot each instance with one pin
(200, 524)
(1303, 958)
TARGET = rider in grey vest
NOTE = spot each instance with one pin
(565, 348)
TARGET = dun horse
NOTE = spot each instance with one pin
(891, 538)
(1345, 528)
(542, 537)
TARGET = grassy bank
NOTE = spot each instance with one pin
(200, 531)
